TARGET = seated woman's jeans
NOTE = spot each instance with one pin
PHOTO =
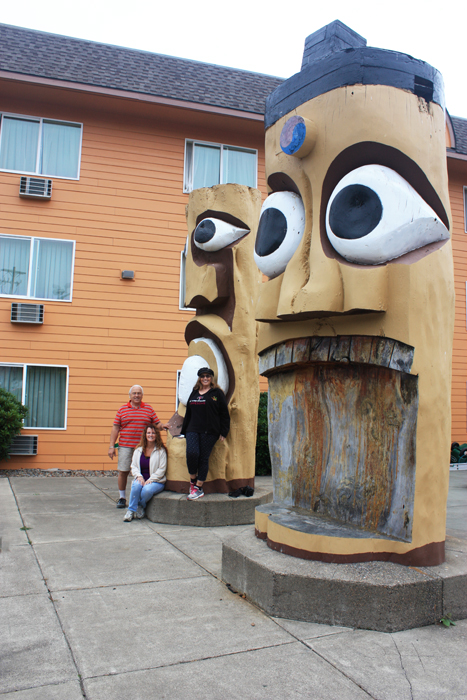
(140, 495)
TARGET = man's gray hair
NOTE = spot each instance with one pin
(138, 385)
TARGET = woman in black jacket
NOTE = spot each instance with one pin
(206, 421)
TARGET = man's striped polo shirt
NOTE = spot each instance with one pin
(132, 421)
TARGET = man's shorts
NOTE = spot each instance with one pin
(124, 458)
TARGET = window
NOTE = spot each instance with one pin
(40, 146)
(208, 164)
(36, 268)
(42, 388)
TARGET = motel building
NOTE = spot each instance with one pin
(99, 149)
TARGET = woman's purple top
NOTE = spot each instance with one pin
(144, 466)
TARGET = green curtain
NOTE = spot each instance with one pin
(11, 379)
(238, 166)
(14, 265)
(45, 397)
(19, 139)
(206, 170)
(60, 149)
(52, 263)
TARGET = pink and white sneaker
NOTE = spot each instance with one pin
(197, 493)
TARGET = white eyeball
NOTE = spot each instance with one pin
(214, 234)
(280, 231)
(374, 216)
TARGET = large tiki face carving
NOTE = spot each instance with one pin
(357, 314)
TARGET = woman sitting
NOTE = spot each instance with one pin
(148, 468)
(206, 421)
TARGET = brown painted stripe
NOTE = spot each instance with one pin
(429, 555)
(214, 486)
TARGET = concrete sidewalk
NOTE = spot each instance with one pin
(93, 607)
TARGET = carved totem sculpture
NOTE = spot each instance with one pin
(222, 283)
(357, 315)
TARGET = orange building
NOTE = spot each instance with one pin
(456, 133)
(99, 147)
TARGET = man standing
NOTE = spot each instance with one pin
(130, 421)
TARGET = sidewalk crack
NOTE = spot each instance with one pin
(403, 667)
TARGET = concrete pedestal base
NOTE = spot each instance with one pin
(213, 510)
(373, 595)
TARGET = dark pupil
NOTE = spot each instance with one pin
(205, 231)
(271, 231)
(355, 212)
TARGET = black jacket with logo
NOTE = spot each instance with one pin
(217, 413)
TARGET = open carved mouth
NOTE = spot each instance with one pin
(342, 419)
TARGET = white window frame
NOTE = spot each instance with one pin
(25, 365)
(177, 401)
(188, 171)
(182, 282)
(27, 296)
(41, 120)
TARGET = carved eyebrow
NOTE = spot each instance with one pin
(374, 153)
(223, 216)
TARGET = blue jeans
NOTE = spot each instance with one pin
(140, 495)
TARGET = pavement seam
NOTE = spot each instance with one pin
(119, 585)
(303, 642)
(191, 661)
(99, 489)
(339, 670)
(35, 687)
(51, 598)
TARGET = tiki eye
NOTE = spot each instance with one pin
(280, 231)
(214, 234)
(374, 216)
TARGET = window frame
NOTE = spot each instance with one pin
(182, 280)
(24, 366)
(41, 120)
(188, 171)
(31, 256)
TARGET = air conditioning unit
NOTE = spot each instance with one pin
(24, 445)
(27, 313)
(37, 187)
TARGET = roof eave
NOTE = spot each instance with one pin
(126, 94)
(456, 156)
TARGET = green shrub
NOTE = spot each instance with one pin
(263, 460)
(12, 413)
(458, 453)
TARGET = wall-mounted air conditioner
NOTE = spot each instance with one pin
(27, 313)
(24, 445)
(37, 187)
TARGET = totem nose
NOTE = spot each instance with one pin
(205, 231)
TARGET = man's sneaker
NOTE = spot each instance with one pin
(197, 493)
(121, 503)
(129, 515)
(140, 512)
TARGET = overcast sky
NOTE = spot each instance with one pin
(264, 37)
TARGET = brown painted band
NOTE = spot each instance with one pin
(429, 555)
(215, 486)
(261, 535)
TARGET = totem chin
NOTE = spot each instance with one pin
(222, 284)
(356, 318)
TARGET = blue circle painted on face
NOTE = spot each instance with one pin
(293, 135)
